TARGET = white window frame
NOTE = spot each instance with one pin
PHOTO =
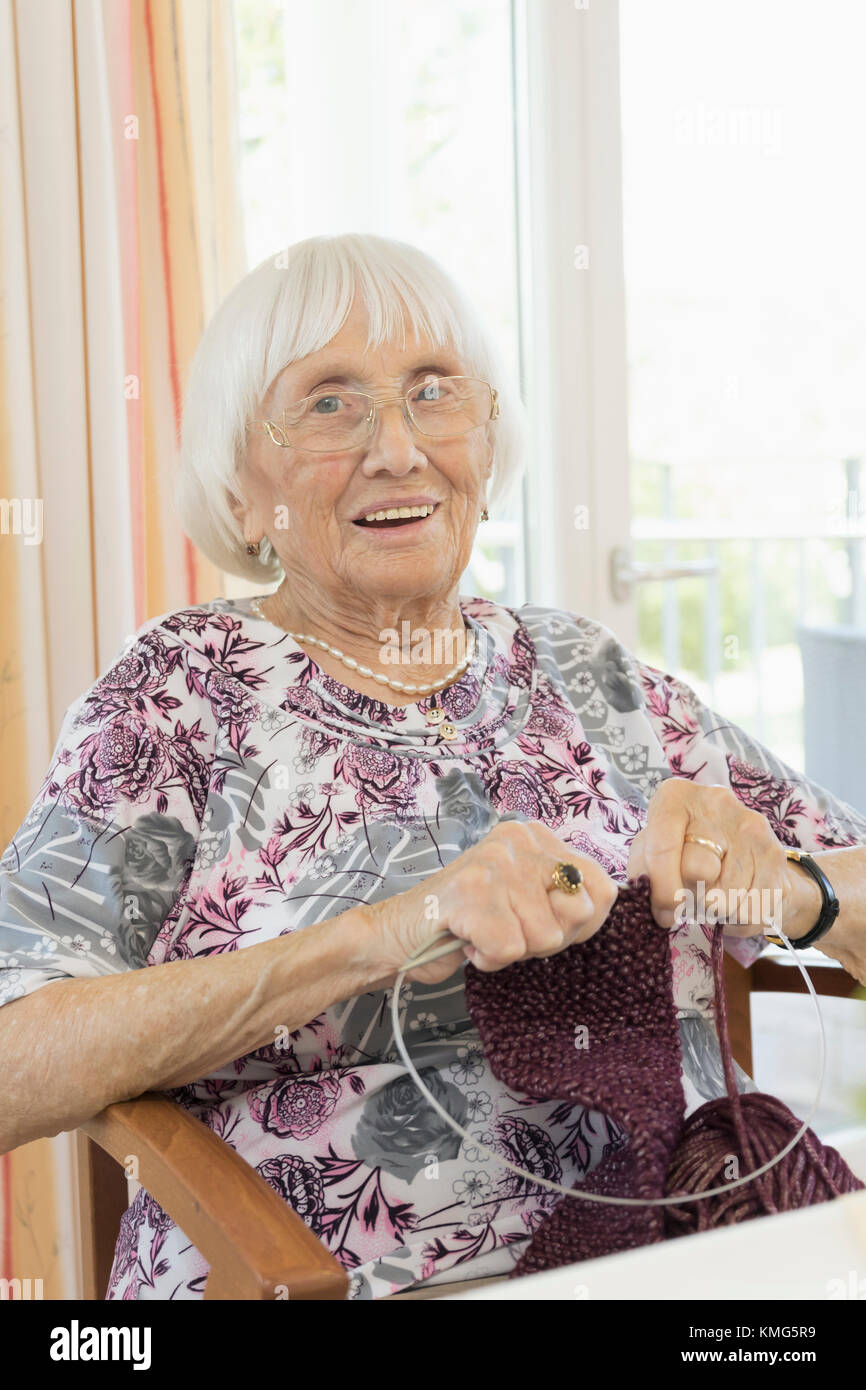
(573, 339)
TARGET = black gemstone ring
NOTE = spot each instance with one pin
(567, 877)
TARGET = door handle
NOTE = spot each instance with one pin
(626, 572)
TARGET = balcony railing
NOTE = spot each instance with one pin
(714, 543)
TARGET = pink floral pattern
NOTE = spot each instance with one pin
(214, 789)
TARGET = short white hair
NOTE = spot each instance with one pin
(289, 306)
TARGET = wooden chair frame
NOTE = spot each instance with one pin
(256, 1245)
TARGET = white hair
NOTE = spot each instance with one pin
(289, 306)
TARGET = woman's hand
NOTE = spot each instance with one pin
(754, 884)
(495, 898)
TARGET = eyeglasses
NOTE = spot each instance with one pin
(440, 407)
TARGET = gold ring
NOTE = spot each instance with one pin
(567, 877)
(710, 844)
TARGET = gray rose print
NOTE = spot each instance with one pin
(462, 800)
(157, 855)
(398, 1129)
(118, 885)
(615, 679)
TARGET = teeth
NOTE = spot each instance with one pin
(397, 513)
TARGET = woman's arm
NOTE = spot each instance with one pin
(710, 751)
(75, 1045)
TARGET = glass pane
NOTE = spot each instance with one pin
(744, 208)
(390, 118)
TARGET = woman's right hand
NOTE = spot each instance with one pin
(495, 898)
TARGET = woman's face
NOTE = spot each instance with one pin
(307, 504)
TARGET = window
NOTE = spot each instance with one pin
(743, 129)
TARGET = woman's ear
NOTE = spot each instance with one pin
(237, 508)
(245, 517)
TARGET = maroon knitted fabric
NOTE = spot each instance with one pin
(618, 987)
(596, 1025)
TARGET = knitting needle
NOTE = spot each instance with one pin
(425, 954)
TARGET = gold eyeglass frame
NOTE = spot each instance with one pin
(271, 427)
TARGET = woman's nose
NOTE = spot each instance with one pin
(394, 440)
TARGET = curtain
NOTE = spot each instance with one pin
(120, 230)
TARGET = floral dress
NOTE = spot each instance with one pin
(215, 789)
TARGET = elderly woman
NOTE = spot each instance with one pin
(259, 806)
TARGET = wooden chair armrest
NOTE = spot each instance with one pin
(771, 973)
(738, 984)
(255, 1244)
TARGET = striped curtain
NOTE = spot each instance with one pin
(120, 230)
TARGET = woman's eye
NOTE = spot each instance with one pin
(436, 387)
(324, 400)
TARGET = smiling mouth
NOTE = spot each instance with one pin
(396, 517)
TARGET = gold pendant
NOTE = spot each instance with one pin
(447, 730)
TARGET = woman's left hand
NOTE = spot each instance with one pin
(752, 885)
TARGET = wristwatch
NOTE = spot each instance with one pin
(829, 905)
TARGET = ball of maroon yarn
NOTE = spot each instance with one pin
(708, 1154)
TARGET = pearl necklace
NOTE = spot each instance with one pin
(379, 675)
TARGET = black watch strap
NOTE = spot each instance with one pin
(829, 905)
